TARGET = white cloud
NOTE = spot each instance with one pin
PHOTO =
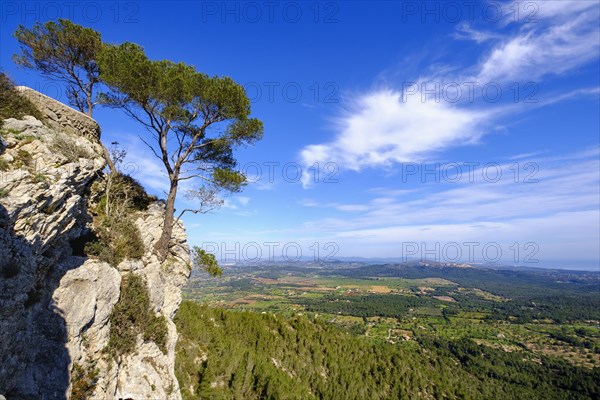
(465, 31)
(337, 206)
(559, 214)
(263, 184)
(352, 207)
(524, 155)
(573, 237)
(229, 204)
(386, 128)
(309, 203)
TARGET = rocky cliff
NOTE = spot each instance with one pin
(55, 302)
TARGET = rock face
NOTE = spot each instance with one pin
(55, 304)
(62, 117)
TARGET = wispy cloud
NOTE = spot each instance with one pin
(465, 31)
(243, 200)
(337, 206)
(557, 212)
(561, 184)
(386, 126)
(553, 46)
(551, 9)
(563, 201)
(237, 205)
(235, 202)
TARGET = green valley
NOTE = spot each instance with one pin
(352, 330)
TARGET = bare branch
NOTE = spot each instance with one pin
(208, 198)
(151, 148)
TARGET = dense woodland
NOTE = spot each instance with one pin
(560, 308)
(225, 354)
(505, 282)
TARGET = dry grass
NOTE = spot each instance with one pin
(68, 147)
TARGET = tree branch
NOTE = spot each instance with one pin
(151, 147)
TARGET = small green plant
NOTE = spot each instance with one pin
(39, 178)
(83, 381)
(121, 195)
(98, 249)
(119, 198)
(4, 165)
(127, 240)
(117, 240)
(84, 340)
(3, 192)
(133, 316)
(24, 139)
(12, 103)
(157, 331)
(22, 159)
(10, 131)
(68, 147)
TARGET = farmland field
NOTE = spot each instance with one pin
(537, 313)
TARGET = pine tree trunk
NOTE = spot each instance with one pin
(109, 161)
(162, 245)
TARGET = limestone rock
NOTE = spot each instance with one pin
(55, 304)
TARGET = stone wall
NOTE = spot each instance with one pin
(62, 117)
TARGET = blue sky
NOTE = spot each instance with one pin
(441, 130)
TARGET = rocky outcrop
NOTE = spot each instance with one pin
(149, 372)
(55, 304)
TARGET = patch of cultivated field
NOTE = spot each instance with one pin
(445, 298)
(381, 289)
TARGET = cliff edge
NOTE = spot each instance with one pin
(58, 306)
